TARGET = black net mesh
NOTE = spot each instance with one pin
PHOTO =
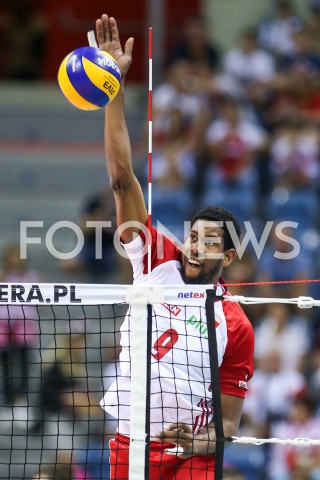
(56, 362)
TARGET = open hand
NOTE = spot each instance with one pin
(108, 40)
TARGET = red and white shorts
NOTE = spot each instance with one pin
(162, 465)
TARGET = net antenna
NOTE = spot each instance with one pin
(149, 199)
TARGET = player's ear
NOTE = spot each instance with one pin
(228, 257)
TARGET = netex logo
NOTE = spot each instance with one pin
(191, 295)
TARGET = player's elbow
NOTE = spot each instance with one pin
(121, 183)
(230, 428)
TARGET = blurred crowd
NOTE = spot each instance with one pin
(240, 129)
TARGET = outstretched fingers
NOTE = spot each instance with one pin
(129, 47)
(114, 30)
(103, 30)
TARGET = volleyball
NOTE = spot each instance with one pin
(89, 78)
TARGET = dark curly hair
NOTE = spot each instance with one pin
(219, 214)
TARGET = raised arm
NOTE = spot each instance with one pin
(130, 204)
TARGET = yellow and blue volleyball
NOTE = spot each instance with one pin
(89, 78)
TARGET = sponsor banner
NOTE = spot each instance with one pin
(61, 294)
(99, 294)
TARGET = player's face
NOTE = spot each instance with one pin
(203, 255)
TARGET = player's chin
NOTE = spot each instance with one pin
(192, 274)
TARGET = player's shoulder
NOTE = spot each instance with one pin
(166, 247)
(163, 250)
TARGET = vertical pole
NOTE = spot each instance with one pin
(156, 18)
(215, 383)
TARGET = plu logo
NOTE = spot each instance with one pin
(198, 325)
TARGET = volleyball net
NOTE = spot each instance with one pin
(62, 361)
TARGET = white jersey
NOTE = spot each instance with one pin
(180, 388)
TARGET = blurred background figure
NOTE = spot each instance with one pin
(19, 330)
(61, 468)
(248, 63)
(23, 29)
(246, 460)
(297, 463)
(173, 170)
(284, 330)
(284, 259)
(272, 391)
(313, 23)
(63, 389)
(230, 473)
(276, 31)
(195, 45)
(56, 471)
(234, 144)
(98, 261)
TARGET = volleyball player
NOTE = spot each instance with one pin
(181, 412)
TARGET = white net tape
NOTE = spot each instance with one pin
(301, 302)
(306, 442)
(297, 442)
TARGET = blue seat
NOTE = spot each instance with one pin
(299, 206)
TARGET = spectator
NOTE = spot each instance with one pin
(297, 463)
(195, 46)
(98, 261)
(313, 24)
(247, 459)
(294, 173)
(294, 155)
(173, 170)
(56, 471)
(253, 70)
(313, 371)
(276, 32)
(248, 63)
(230, 473)
(297, 86)
(283, 259)
(287, 333)
(179, 91)
(18, 329)
(63, 392)
(235, 145)
(305, 60)
(61, 469)
(273, 390)
(24, 29)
